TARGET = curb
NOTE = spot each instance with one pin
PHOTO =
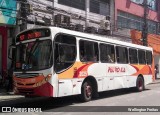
(157, 81)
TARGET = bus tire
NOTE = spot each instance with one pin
(86, 91)
(140, 84)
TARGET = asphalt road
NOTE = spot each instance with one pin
(109, 101)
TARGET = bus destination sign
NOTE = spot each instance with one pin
(33, 34)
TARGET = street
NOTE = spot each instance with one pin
(114, 100)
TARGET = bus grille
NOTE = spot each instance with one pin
(27, 75)
(26, 91)
(27, 84)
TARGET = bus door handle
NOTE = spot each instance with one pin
(60, 82)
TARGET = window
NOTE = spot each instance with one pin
(152, 4)
(137, 1)
(79, 4)
(88, 51)
(126, 20)
(107, 53)
(122, 54)
(34, 56)
(152, 26)
(64, 52)
(141, 57)
(149, 57)
(133, 56)
(100, 7)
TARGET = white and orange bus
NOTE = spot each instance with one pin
(56, 62)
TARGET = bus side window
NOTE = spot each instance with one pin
(64, 52)
(133, 56)
(149, 57)
(89, 51)
(141, 57)
(122, 54)
(107, 53)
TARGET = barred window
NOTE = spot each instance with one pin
(126, 20)
(100, 7)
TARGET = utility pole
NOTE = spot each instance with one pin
(87, 12)
(53, 12)
(145, 26)
(23, 14)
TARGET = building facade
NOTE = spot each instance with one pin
(129, 14)
(87, 13)
(7, 25)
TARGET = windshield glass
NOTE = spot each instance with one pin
(34, 56)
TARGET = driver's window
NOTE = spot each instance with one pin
(64, 52)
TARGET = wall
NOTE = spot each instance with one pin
(3, 32)
(70, 11)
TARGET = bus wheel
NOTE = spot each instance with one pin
(140, 84)
(87, 91)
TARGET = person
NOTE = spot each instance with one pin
(82, 56)
(110, 59)
(10, 80)
(156, 70)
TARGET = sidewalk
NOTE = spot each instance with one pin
(156, 81)
(4, 95)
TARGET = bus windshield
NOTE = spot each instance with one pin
(34, 56)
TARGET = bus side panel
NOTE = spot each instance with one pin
(65, 87)
(70, 81)
(145, 71)
(98, 70)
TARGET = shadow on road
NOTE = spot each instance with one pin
(54, 103)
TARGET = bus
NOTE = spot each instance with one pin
(56, 62)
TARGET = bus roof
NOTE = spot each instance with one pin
(108, 39)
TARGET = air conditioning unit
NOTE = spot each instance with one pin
(105, 24)
(79, 27)
(47, 21)
(61, 19)
(91, 30)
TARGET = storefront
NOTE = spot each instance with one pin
(154, 42)
(7, 23)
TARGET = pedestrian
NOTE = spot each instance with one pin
(156, 70)
(10, 79)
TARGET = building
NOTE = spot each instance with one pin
(129, 14)
(7, 25)
(70, 13)
(129, 22)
